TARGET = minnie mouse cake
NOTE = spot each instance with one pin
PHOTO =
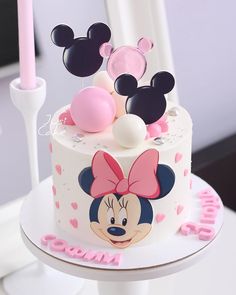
(121, 153)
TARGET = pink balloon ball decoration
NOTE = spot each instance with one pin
(157, 128)
(93, 109)
(65, 118)
(154, 130)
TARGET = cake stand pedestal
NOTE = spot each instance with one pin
(138, 265)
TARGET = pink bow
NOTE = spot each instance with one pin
(109, 177)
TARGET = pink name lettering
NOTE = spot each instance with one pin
(58, 245)
(204, 233)
(210, 206)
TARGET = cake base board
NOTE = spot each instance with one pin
(153, 260)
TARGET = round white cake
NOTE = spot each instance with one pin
(106, 195)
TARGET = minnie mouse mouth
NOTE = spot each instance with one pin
(121, 244)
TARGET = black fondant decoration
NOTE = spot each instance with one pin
(81, 56)
(147, 102)
(166, 177)
(126, 85)
(86, 179)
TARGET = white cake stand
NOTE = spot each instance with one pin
(139, 264)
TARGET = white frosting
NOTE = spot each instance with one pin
(74, 156)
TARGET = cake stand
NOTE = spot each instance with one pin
(138, 265)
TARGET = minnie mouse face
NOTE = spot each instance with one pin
(81, 56)
(119, 219)
(147, 102)
(121, 212)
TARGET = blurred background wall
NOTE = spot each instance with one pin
(203, 44)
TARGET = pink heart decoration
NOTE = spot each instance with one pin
(74, 222)
(179, 209)
(54, 190)
(178, 157)
(160, 217)
(58, 169)
(186, 172)
(74, 205)
(57, 204)
(66, 119)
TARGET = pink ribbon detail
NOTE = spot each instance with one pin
(109, 177)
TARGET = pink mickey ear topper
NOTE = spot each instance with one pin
(145, 45)
(126, 59)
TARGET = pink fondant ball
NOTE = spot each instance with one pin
(154, 130)
(93, 109)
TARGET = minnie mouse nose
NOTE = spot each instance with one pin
(116, 231)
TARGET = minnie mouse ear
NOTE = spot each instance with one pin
(166, 178)
(62, 36)
(126, 85)
(164, 82)
(86, 179)
(99, 32)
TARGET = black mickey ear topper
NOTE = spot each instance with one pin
(147, 102)
(62, 36)
(164, 82)
(126, 85)
(81, 56)
(99, 32)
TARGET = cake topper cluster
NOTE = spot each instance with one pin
(135, 112)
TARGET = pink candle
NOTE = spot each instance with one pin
(26, 44)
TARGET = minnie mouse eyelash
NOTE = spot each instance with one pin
(123, 204)
(110, 203)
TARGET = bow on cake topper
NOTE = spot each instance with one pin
(109, 177)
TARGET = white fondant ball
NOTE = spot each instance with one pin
(129, 130)
(102, 79)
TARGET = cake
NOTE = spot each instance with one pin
(121, 154)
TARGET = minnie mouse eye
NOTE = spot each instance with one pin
(124, 221)
(122, 218)
(110, 216)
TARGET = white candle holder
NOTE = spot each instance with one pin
(29, 102)
(36, 278)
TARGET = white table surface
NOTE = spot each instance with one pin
(215, 274)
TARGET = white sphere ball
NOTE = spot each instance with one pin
(129, 130)
(102, 79)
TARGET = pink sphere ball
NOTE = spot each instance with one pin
(154, 130)
(93, 109)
